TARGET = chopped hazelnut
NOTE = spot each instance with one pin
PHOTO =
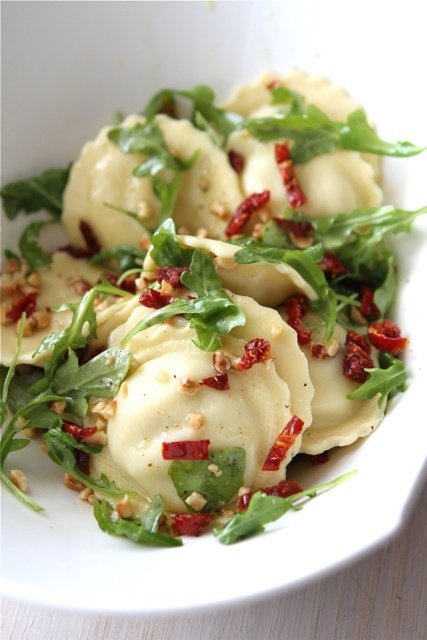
(220, 210)
(125, 508)
(196, 420)
(357, 317)
(105, 408)
(85, 493)
(19, 480)
(202, 233)
(99, 437)
(221, 362)
(58, 406)
(72, 483)
(12, 265)
(196, 501)
(189, 387)
(213, 468)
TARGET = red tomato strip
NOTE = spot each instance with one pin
(244, 212)
(332, 265)
(356, 357)
(171, 275)
(368, 308)
(154, 299)
(284, 489)
(236, 161)
(296, 196)
(78, 433)
(386, 336)
(186, 450)
(284, 442)
(189, 524)
(26, 304)
(298, 228)
(219, 382)
(256, 350)
(296, 308)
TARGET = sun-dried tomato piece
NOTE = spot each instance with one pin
(186, 450)
(236, 160)
(284, 442)
(355, 361)
(245, 210)
(295, 194)
(91, 241)
(78, 433)
(299, 229)
(127, 284)
(296, 308)
(171, 275)
(386, 336)
(318, 458)
(189, 524)
(283, 489)
(218, 382)
(154, 299)
(256, 350)
(332, 265)
(355, 338)
(82, 460)
(26, 304)
(368, 308)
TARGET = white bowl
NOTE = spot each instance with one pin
(67, 67)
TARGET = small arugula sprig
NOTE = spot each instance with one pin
(218, 123)
(143, 529)
(314, 133)
(160, 164)
(267, 508)
(124, 257)
(305, 263)
(42, 192)
(385, 380)
(212, 314)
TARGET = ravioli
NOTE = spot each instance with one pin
(153, 405)
(268, 284)
(337, 421)
(208, 194)
(60, 282)
(333, 183)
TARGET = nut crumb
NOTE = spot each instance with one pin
(196, 501)
(19, 480)
(72, 483)
(188, 386)
(196, 420)
(213, 468)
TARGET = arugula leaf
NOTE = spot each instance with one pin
(385, 294)
(8, 441)
(217, 488)
(20, 395)
(304, 262)
(265, 508)
(211, 315)
(166, 251)
(101, 376)
(390, 377)
(72, 337)
(218, 123)
(42, 192)
(150, 519)
(29, 247)
(61, 447)
(124, 256)
(202, 277)
(282, 95)
(131, 529)
(146, 138)
(314, 133)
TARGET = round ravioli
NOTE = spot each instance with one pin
(254, 100)
(64, 280)
(209, 191)
(162, 400)
(269, 284)
(336, 182)
(337, 420)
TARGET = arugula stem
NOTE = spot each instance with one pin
(49, 197)
(19, 494)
